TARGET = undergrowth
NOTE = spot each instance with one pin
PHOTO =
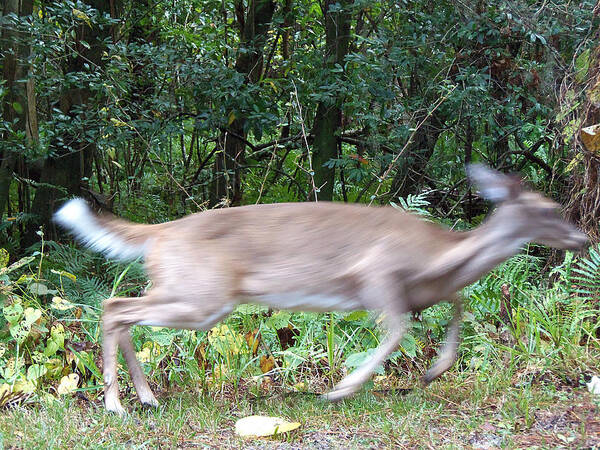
(518, 317)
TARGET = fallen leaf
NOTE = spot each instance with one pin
(287, 336)
(253, 339)
(253, 426)
(591, 138)
(266, 363)
(68, 384)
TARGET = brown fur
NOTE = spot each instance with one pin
(319, 257)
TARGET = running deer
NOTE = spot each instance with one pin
(309, 257)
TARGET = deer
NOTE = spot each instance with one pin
(312, 256)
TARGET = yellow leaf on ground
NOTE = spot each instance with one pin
(253, 426)
(68, 384)
(591, 138)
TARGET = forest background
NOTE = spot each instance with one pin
(157, 109)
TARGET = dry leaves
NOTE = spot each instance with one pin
(591, 138)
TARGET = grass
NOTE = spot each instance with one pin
(519, 381)
(503, 408)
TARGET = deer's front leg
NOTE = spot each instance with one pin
(448, 352)
(352, 383)
(388, 296)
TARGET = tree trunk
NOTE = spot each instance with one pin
(65, 172)
(227, 185)
(584, 197)
(328, 118)
(15, 108)
(410, 172)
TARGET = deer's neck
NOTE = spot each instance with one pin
(487, 246)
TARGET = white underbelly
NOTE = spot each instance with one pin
(300, 301)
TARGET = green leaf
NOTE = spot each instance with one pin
(19, 333)
(57, 334)
(17, 265)
(4, 256)
(51, 347)
(163, 338)
(17, 107)
(409, 345)
(36, 371)
(38, 288)
(279, 320)
(356, 315)
(582, 65)
(356, 359)
(13, 313)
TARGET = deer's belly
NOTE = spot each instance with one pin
(301, 301)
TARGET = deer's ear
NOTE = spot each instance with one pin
(493, 185)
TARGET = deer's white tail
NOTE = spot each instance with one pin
(116, 238)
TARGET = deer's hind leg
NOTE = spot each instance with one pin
(158, 309)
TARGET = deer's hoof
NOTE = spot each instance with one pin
(150, 403)
(340, 392)
(114, 406)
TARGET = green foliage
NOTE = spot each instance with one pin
(414, 203)
(154, 95)
(521, 274)
(161, 97)
(587, 276)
